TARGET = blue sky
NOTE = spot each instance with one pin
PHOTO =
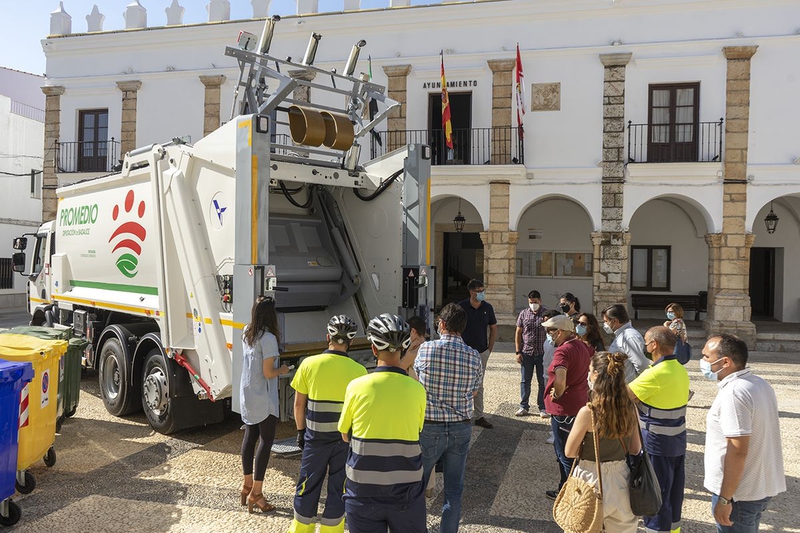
(24, 26)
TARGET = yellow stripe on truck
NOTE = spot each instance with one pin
(103, 305)
(38, 300)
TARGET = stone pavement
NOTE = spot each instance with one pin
(115, 475)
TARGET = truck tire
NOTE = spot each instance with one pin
(115, 380)
(159, 406)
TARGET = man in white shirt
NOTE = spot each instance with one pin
(626, 340)
(743, 459)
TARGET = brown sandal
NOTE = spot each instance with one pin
(245, 493)
(258, 500)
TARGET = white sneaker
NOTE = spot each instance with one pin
(521, 412)
(551, 439)
(544, 414)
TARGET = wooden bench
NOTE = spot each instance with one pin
(689, 302)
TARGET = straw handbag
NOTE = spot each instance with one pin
(578, 507)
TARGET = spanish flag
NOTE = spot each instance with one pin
(446, 125)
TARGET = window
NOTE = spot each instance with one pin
(93, 141)
(650, 268)
(674, 115)
(6, 273)
(548, 264)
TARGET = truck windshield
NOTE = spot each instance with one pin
(39, 255)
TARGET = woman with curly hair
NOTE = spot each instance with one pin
(617, 428)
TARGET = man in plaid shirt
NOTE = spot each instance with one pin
(529, 341)
(451, 373)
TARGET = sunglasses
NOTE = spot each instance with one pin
(551, 330)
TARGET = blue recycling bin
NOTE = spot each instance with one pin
(13, 377)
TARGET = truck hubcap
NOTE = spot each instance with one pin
(155, 391)
(111, 378)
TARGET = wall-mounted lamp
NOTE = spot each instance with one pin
(459, 219)
(771, 220)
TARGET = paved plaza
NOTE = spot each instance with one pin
(115, 475)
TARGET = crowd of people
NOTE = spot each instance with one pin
(379, 437)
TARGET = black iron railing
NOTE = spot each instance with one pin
(474, 146)
(679, 143)
(87, 156)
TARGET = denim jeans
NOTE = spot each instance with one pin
(561, 426)
(746, 516)
(531, 364)
(450, 443)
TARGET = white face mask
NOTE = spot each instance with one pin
(590, 382)
(608, 329)
(534, 307)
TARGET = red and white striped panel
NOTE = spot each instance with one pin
(23, 407)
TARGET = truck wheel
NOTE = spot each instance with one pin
(156, 401)
(14, 514)
(115, 383)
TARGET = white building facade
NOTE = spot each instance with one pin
(658, 135)
(22, 126)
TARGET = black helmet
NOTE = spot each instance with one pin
(389, 332)
(342, 328)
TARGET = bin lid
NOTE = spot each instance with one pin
(78, 343)
(42, 332)
(14, 346)
(11, 371)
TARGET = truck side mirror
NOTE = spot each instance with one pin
(18, 262)
(20, 243)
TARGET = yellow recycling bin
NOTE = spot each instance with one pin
(39, 398)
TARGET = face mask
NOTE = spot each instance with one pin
(550, 339)
(671, 315)
(480, 296)
(705, 368)
(608, 329)
(580, 329)
(590, 382)
(564, 307)
(534, 307)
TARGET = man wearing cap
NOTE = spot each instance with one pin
(382, 418)
(320, 385)
(567, 389)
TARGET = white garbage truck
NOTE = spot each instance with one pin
(158, 266)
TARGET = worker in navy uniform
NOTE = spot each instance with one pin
(382, 418)
(319, 385)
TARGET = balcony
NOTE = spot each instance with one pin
(87, 156)
(474, 146)
(676, 143)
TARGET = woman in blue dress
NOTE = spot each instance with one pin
(259, 399)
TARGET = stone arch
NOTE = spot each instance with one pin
(702, 218)
(584, 200)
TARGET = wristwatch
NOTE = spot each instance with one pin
(725, 501)
(519, 353)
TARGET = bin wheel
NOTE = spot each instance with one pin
(30, 484)
(50, 457)
(71, 412)
(14, 514)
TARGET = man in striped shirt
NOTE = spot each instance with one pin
(382, 418)
(451, 373)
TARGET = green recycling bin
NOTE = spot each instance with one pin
(69, 376)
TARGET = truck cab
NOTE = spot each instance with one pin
(37, 269)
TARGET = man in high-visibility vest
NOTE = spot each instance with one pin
(382, 418)
(319, 385)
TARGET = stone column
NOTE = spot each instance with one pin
(500, 254)
(729, 252)
(211, 113)
(52, 131)
(396, 122)
(501, 110)
(610, 259)
(128, 134)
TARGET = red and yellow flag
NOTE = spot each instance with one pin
(446, 125)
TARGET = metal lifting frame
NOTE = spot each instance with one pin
(253, 93)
